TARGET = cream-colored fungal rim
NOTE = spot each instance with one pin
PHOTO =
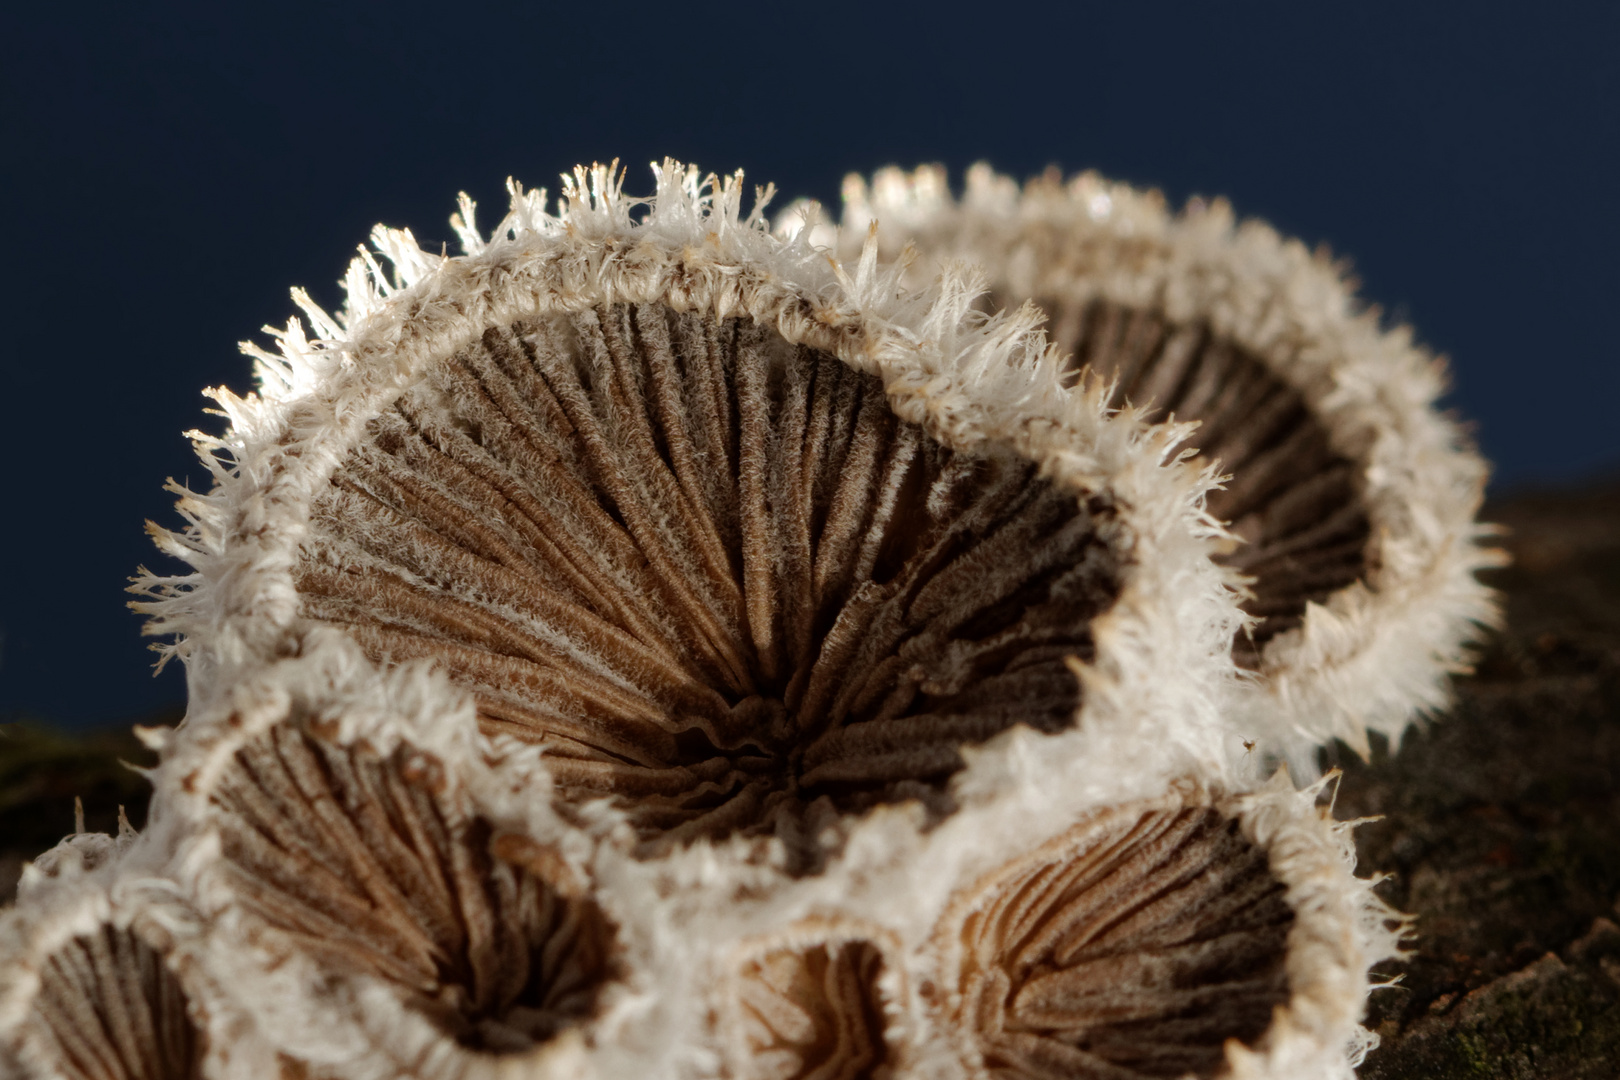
(317, 993)
(365, 915)
(1368, 655)
(87, 988)
(967, 381)
(1189, 934)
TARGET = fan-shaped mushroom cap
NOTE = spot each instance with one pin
(745, 540)
(1354, 500)
(1188, 935)
(90, 982)
(373, 918)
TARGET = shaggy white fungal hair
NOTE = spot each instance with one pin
(1362, 655)
(91, 986)
(363, 878)
(721, 964)
(972, 384)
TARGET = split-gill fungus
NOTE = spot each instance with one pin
(107, 1008)
(638, 527)
(1350, 498)
(373, 868)
(812, 1012)
(1135, 946)
(1293, 502)
(712, 572)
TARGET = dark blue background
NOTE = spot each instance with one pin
(170, 172)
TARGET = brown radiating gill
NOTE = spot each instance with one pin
(1135, 947)
(370, 866)
(711, 571)
(108, 1009)
(1295, 502)
(814, 1014)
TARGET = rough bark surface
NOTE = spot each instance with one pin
(1500, 827)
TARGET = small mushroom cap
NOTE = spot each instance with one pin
(1350, 498)
(1183, 936)
(817, 1001)
(711, 572)
(360, 905)
(91, 980)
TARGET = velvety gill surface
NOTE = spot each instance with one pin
(710, 570)
(1135, 947)
(815, 1014)
(368, 865)
(110, 1010)
(1293, 500)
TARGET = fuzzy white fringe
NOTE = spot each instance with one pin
(1161, 651)
(1376, 654)
(1151, 721)
(88, 883)
(686, 921)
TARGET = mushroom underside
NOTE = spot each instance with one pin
(368, 866)
(109, 1009)
(710, 570)
(814, 1013)
(1293, 500)
(1136, 947)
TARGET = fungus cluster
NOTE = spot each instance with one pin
(651, 644)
